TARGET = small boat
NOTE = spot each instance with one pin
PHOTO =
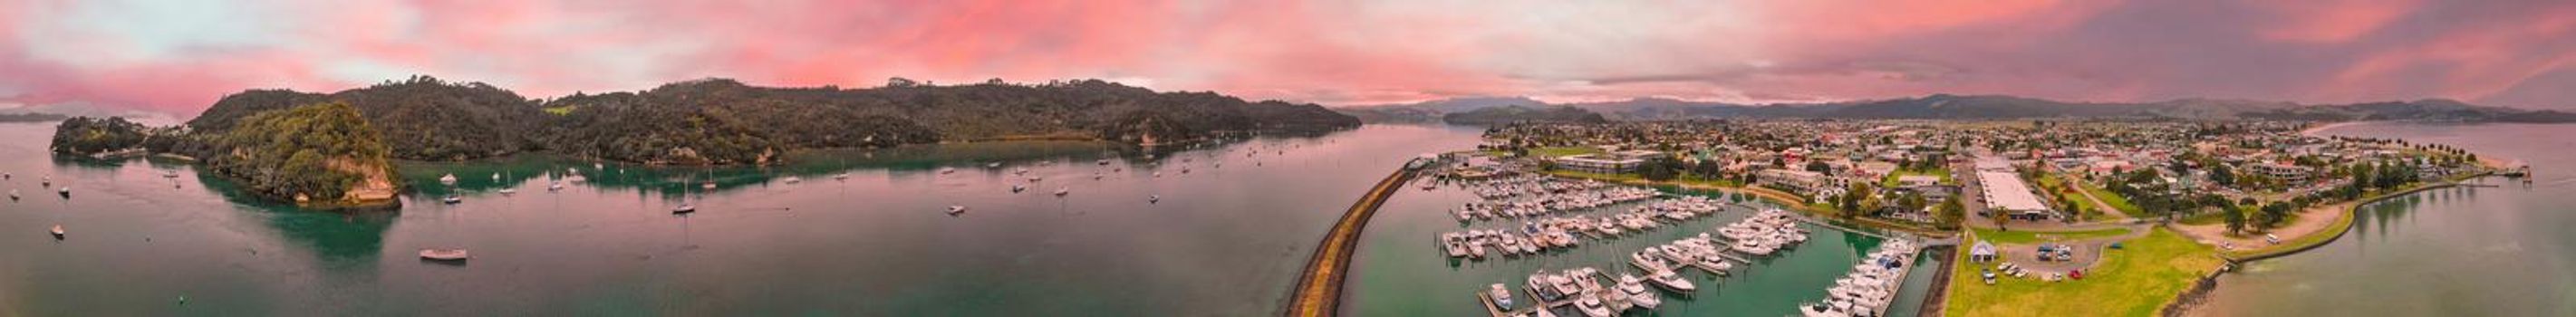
(444, 254)
(1103, 162)
(1152, 199)
(449, 179)
(170, 174)
(684, 208)
(842, 176)
(793, 180)
(947, 170)
(1034, 179)
(1502, 298)
(452, 199)
(507, 191)
(956, 209)
(1591, 306)
(13, 195)
(58, 232)
(1670, 281)
(707, 185)
(993, 165)
(66, 191)
(556, 186)
(1017, 188)
(1060, 191)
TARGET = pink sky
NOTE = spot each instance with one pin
(178, 58)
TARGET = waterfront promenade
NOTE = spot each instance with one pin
(1319, 287)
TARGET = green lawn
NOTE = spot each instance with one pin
(564, 110)
(2114, 199)
(2134, 281)
(2027, 237)
(1556, 151)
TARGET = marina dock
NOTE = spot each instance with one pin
(1319, 288)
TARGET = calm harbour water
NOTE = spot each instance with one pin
(1223, 240)
(2499, 251)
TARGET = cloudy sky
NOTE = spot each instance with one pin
(179, 56)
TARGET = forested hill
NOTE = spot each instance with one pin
(421, 118)
(719, 121)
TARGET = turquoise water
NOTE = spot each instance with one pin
(1223, 241)
(2489, 251)
(1399, 271)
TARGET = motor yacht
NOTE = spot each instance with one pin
(1671, 281)
(452, 255)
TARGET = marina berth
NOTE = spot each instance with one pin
(1871, 286)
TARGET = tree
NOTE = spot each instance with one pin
(1950, 212)
(1662, 169)
(2273, 214)
(1910, 202)
(2235, 219)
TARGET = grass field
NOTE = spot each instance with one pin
(2206, 218)
(2027, 237)
(2134, 281)
(2114, 199)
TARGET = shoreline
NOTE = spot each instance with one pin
(2190, 303)
(2312, 131)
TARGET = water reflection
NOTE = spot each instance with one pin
(339, 239)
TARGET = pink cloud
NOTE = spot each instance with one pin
(1330, 52)
(2334, 21)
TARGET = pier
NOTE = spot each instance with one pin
(1319, 288)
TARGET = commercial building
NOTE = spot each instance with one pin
(2006, 195)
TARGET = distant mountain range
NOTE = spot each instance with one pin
(32, 117)
(1944, 106)
(1517, 113)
